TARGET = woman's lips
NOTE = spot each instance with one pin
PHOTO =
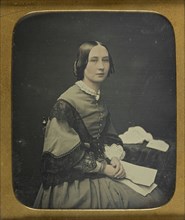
(100, 74)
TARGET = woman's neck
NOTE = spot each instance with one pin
(92, 85)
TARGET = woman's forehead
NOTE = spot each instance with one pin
(98, 51)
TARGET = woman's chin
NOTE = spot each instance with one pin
(100, 78)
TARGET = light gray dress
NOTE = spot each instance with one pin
(78, 128)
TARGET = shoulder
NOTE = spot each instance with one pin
(71, 95)
(66, 103)
(71, 91)
(61, 110)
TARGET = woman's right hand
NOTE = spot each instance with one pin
(114, 172)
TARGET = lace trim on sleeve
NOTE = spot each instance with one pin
(53, 164)
(87, 163)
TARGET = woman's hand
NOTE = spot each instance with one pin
(115, 162)
(109, 171)
(119, 169)
(115, 170)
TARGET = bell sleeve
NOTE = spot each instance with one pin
(64, 154)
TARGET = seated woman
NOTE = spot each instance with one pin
(76, 172)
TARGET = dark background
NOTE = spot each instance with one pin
(141, 92)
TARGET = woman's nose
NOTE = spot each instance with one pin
(100, 65)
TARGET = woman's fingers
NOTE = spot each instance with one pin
(121, 173)
(114, 162)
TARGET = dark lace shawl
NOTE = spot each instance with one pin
(78, 162)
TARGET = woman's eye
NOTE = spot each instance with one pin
(94, 60)
(105, 60)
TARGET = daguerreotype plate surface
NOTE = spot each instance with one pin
(143, 42)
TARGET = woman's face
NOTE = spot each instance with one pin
(98, 65)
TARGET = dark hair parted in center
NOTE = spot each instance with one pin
(82, 58)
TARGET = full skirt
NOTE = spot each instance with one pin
(102, 193)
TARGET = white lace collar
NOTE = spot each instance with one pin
(88, 90)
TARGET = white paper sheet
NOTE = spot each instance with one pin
(158, 145)
(139, 174)
(137, 135)
(143, 190)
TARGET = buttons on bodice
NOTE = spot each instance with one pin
(94, 115)
(100, 122)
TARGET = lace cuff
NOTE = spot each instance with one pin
(87, 163)
(114, 151)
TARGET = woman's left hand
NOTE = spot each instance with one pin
(120, 172)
